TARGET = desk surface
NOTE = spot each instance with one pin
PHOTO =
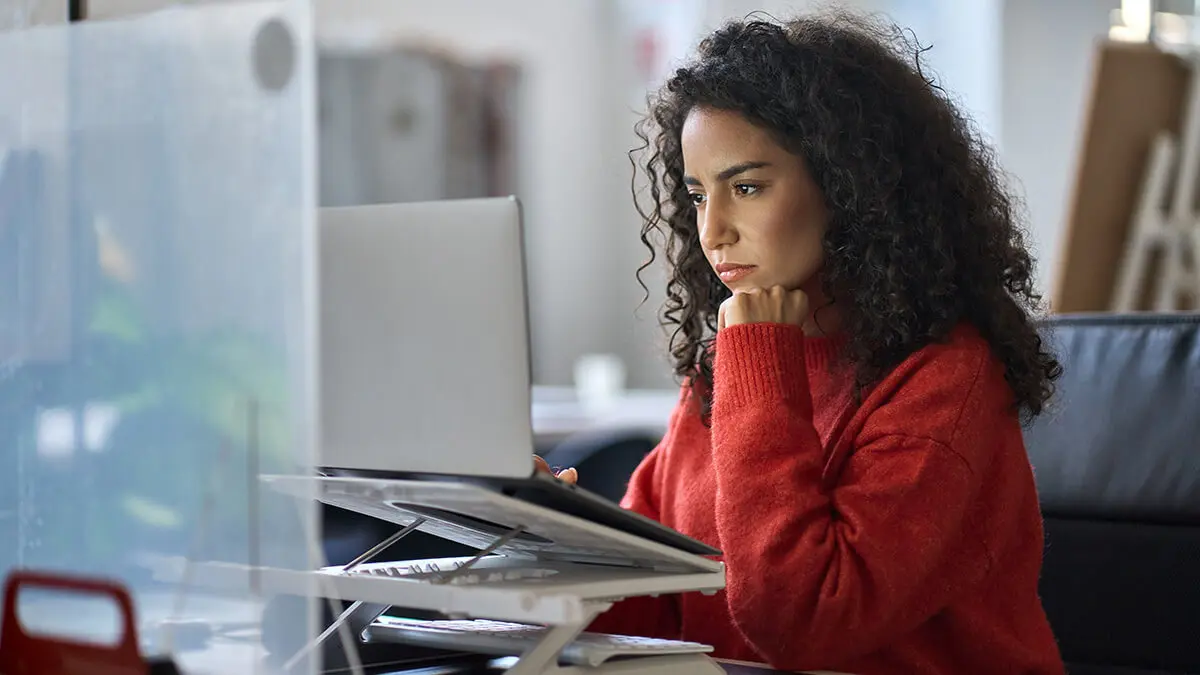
(221, 656)
(557, 412)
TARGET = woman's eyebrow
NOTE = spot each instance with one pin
(730, 172)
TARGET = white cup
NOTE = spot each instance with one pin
(599, 380)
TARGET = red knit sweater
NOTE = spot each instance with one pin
(900, 535)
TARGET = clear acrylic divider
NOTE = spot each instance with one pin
(157, 319)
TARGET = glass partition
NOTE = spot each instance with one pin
(157, 205)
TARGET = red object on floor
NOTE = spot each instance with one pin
(22, 653)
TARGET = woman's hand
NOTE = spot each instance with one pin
(566, 475)
(763, 305)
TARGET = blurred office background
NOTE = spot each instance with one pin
(125, 408)
(463, 98)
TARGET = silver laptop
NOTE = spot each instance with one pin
(424, 345)
(424, 349)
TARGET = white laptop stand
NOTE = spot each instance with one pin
(535, 566)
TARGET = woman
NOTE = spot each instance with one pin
(851, 302)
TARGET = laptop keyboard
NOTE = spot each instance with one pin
(432, 571)
(499, 638)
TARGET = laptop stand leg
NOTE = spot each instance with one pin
(345, 615)
(463, 568)
(382, 546)
(543, 657)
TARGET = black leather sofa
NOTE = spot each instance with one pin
(1117, 461)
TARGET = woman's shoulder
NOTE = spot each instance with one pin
(948, 383)
(963, 354)
(689, 403)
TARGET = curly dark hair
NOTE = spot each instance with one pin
(923, 233)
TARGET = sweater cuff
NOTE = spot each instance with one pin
(760, 362)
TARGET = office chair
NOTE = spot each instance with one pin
(605, 459)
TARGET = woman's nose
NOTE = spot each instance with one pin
(716, 229)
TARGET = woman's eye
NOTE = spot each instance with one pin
(745, 190)
(697, 198)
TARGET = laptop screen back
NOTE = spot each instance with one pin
(424, 339)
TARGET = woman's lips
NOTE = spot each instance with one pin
(731, 272)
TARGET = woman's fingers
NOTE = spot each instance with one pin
(566, 475)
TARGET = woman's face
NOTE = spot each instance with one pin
(760, 216)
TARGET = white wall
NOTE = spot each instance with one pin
(1048, 50)
(574, 175)
(964, 42)
(23, 13)
(581, 100)
(567, 160)
(1021, 67)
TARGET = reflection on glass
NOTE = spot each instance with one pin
(156, 206)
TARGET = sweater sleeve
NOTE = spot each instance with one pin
(645, 616)
(821, 574)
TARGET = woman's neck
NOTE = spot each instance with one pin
(825, 317)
